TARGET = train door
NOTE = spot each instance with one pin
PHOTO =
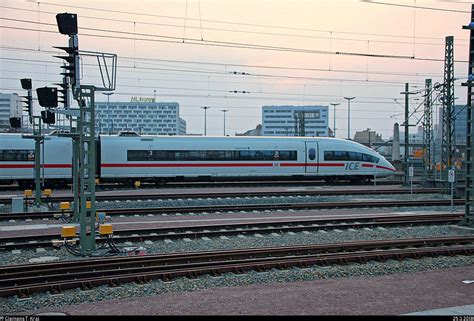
(312, 157)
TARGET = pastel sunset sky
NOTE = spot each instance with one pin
(295, 52)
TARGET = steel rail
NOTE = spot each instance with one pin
(102, 196)
(241, 207)
(235, 183)
(231, 229)
(23, 280)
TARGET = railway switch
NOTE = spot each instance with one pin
(28, 193)
(105, 229)
(68, 231)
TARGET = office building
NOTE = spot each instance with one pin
(10, 106)
(289, 120)
(143, 117)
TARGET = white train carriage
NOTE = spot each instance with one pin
(165, 158)
(17, 159)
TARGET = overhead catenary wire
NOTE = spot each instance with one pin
(228, 22)
(330, 37)
(186, 62)
(227, 44)
(148, 69)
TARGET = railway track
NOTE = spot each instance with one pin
(232, 229)
(24, 280)
(239, 207)
(111, 196)
(258, 183)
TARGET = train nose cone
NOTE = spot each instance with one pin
(389, 165)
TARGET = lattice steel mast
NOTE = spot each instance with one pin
(448, 139)
(469, 208)
(428, 132)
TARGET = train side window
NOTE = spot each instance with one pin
(355, 157)
(17, 155)
(328, 155)
(312, 154)
(340, 156)
(287, 155)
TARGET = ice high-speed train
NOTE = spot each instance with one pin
(161, 159)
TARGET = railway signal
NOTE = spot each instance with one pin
(36, 135)
(82, 131)
(67, 25)
(26, 84)
(48, 98)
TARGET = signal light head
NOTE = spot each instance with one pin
(67, 23)
(47, 96)
(26, 83)
(15, 122)
(48, 117)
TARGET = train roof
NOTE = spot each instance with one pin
(173, 137)
(331, 140)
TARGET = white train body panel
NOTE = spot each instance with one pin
(300, 156)
(17, 157)
(171, 157)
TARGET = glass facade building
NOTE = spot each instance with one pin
(282, 120)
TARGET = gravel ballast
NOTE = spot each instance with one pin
(131, 290)
(252, 241)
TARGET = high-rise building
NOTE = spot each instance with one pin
(460, 123)
(147, 118)
(289, 120)
(10, 106)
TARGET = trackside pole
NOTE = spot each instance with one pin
(451, 179)
(375, 175)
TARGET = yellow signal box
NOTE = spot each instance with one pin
(64, 206)
(47, 192)
(105, 229)
(68, 231)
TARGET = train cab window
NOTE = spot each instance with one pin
(349, 156)
(312, 154)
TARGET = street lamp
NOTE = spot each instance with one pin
(108, 109)
(224, 111)
(349, 116)
(334, 127)
(205, 116)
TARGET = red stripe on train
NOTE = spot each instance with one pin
(378, 166)
(189, 165)
(221, 165)
(33, 166)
